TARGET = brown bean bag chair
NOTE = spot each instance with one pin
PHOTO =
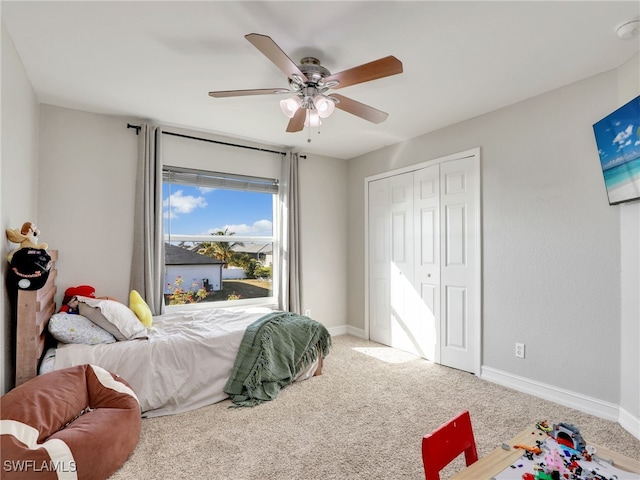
(77, 423)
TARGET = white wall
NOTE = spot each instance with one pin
(323, 232)
(629, 87)
(551, 242)
(217, 157)
(19, 177)
(86, 195)
(233, 273)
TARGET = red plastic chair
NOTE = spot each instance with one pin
(446, 443)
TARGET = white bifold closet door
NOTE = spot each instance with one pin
(423, 261)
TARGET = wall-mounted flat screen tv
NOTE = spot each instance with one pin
(618, 140)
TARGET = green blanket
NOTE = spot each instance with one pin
(274, 349)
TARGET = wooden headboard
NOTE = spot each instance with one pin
(34, 308)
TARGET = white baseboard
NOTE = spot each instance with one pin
(593, 406)
(335, 331)
(630, 423)
(584, 403)
(347, 330)
(356, 332)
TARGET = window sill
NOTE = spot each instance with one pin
(233, 304)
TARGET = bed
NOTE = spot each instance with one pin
(184, 361)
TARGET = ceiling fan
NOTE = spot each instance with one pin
(309, 82)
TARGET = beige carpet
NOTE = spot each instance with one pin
(364, 418)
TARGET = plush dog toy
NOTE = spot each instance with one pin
(27, 237)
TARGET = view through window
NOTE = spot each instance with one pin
(219, 237)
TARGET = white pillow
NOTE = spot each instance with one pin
(73, 328)
(115, 317)
(48, 361)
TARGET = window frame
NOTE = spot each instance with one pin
(266, 186)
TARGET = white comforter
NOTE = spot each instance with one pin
(183, 365)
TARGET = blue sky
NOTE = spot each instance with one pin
(618, 135)
(198, 211)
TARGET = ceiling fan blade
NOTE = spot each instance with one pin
(381, 68)
(242, 93)
(359, 109)
(297, 122)
(272, 51)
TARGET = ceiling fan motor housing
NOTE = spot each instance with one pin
(315, 72)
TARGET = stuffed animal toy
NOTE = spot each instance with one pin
(70, 300)
(27, 237)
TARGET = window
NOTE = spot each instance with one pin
(219, 237)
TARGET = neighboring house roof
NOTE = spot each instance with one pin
(174, 255)
(194, 248)
(253, 248)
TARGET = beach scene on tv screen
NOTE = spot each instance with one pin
(618, 139)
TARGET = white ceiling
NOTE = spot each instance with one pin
(159, 60)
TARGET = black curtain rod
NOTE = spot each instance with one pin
(138, 127)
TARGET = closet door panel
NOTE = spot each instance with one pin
(379, 261)
(455, 317)
(404, 321)
(427, 259)
(459, 272)
(455, 235)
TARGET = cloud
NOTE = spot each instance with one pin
(622, 136)
(177, 203)
(265, 225)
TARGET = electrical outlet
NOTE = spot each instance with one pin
(520, 350)
(307, 312)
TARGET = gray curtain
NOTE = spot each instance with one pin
(147, 264)
(289, 295)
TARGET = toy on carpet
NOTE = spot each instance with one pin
(568, 434)
(563, 455)
(26, 237)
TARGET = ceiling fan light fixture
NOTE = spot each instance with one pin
(324, 106)
(312, 119)
(290, 105)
